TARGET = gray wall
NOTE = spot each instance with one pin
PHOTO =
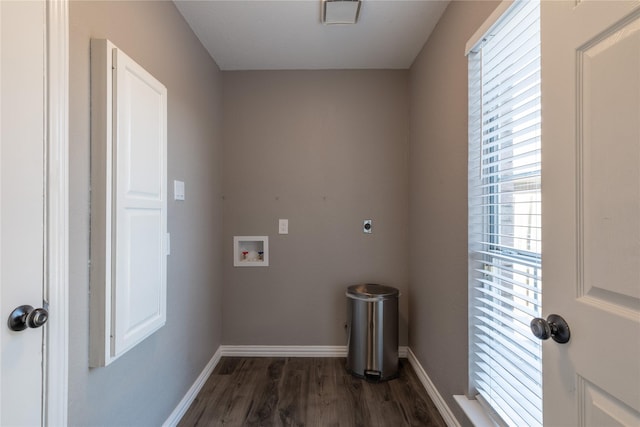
(146, 384)
(438, 200)
(326, 150)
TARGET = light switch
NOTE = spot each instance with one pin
(178, 190)
(283, 226)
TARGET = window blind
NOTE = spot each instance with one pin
(505, 274)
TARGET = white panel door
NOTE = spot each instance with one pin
(591, 210)
(22, 116)
(140, 203)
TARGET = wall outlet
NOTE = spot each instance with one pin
(283, 226)
(367, 226)
(178, 190)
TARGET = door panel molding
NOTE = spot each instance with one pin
(603, 214)
(597, 407)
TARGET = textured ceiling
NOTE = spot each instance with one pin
(277, 34)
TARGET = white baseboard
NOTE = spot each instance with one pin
(284, 350)
(433, 393)
(188, 398)
(291, 351)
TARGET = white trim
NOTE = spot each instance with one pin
(291, 351)
(432, 391)
(284, 350)
(57, 214)
(474, 411)
(487, 25)
(188, 398)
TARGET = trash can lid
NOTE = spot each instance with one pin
(371, 290)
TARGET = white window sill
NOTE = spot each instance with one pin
(474, 411)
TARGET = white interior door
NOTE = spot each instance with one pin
(591, 210)
(22, 118)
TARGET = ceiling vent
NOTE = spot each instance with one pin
(340, 11)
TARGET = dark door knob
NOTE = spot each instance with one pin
(26, 316)
(554, 327)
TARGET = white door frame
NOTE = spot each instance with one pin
(56, 287)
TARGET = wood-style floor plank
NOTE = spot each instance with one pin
(309, 392)
(293, 392)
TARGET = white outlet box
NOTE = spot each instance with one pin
(250, 251)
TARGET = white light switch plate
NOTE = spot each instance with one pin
(178, 190)
(283, 226)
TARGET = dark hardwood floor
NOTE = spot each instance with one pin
(307, 392)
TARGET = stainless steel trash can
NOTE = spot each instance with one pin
(372, 327)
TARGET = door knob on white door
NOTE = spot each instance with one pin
(26, 316)
(554, 327)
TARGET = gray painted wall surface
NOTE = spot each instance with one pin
(326, 150)
(438, 200)
(146, 384)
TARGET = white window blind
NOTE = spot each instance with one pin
(505, 275)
